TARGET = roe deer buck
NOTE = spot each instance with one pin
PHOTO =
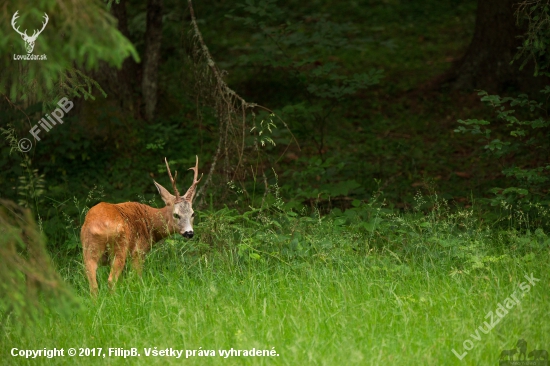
(111, 231)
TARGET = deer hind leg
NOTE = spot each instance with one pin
(120, 253)
(92, 250)
(91, 269)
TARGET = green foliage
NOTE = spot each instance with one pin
(452, 238)
(300, 51)
(31, 187)
(103, 145)
(29, 283)
(79, 34)
(536, 42)
(265, 129)
(315, 180)
(520, 137)
(72, 226)
(32, 88)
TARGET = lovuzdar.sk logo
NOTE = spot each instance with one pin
(29, 40)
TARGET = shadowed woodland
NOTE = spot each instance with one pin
(330, 106)
(350, 143)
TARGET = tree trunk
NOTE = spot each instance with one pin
(486, 64)
(126, 76)
(119, 85)
(153, 38)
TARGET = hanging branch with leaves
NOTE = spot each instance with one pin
(231, 111)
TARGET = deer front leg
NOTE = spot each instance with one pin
(138, 257)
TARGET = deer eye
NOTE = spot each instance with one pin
(193, 214)
(176, 216)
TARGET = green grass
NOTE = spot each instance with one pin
(405, 293)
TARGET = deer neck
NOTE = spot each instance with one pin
(162, 222)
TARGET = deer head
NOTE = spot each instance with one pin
(182, 211)
(29, 40)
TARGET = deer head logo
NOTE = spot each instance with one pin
(29, 40)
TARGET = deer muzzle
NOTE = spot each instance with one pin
(188, 234)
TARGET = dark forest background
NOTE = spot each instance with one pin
(333, 104)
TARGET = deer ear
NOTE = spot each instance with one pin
(166, 196)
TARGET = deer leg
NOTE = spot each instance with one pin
(91, 269)
(118, 265)
(137, 261)
(91, 256)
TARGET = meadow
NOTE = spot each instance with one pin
(366, 286)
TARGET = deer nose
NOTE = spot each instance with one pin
(188, 234)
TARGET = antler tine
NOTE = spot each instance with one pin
(45, 23)
(36, 32)
(13, 19)
(173, 180)
(195, 169)
(191, 191)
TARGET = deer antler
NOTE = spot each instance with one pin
(191, 191)
(13, 19)
(35, 34)
(173, 180)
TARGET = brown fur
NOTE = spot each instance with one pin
(118, 230)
